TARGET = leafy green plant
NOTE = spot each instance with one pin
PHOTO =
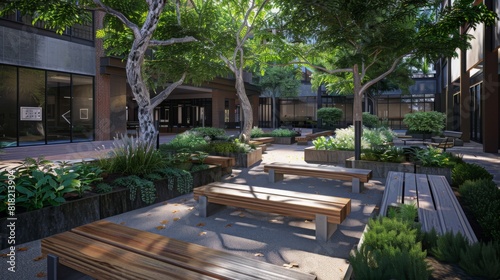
(281, 132)
(370, 120)
(425, 122)
(384, 154)
(136, 184)
(329, 115)
(390, 250)
(482, 197)
(481, 259)
(183, 178)
(469, 171)
(256, 132)
(131, 156)
(432, 157)
(103, 188)
(200, 156)
(191, 141)
(344, 139)
(448, 247)
(210, 132)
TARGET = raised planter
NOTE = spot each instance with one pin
(284, 140)
(245, 160)
(47, 221)
(379, 169)
(311, 155)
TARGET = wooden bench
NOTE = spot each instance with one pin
(302, 140)
(105, 250)
(226, 163)
(446, 143)
(438, 206)
(262, 140)
(327, 211)
(358, 177)
(456, 135)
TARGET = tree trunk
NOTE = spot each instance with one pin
(246, 107)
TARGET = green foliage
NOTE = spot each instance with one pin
(281, 132)
(329, 115)
(280, 82)
(390, 250)
(406, 213)
(103, 188)
(469, 171)
(211, 132)
(200, 156)
(482, 197)
(448, 247)
(425, 122)
(136, 184)
(482, 259)
(384, 154)
(131, 156)
(432, 157)
(185, 141)
(256, 132)
(183, 178)
(370, 120)
(344, 139)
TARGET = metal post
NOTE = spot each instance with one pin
(357, 140)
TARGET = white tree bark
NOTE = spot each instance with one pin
(135, 60)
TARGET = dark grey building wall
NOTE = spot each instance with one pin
(22, 48)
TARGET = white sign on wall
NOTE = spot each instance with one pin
(31, 113)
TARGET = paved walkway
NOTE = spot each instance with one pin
(271, 238)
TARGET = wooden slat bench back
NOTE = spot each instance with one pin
(283, 202)
(358, 177)
(110, 251)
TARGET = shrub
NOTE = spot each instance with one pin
(469, 171)
(280, 132)
(482, 259)
(329, 115)
(187, 140)
(425, 122)
(448, 247)
(384, 154)
(483, 198)
(103, 188)
(256, 132)
(344, 139)
(370, 120)
(211, 132)
(132, 157)
(432, 157)
(390, 251)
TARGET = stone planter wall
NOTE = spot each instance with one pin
(311, 155)
(284, 140)
(47, 221)
(380, 169)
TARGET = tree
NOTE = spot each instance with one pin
(279, 82)
(151, 25)
(365, 41)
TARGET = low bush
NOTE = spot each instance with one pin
(384, 154)
(185, 141)
(210, 132)
(432, 157)
(448, 247)
(481, 259)
(280, 132)
(329, 116)
(482, 197)
(256, 132)
(469, 171)
(370, 120)
(344, 139)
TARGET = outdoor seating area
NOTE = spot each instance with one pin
(303, 140)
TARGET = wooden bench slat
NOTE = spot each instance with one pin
(85, 254)
(331, 172)
(425, 200)
(298, 206)
(410, 189)
(393, 192)
(207, 261)
(449, 210)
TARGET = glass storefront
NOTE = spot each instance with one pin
(45, 107)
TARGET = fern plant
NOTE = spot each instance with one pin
(136, 184)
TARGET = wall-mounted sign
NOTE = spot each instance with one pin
(31, 113)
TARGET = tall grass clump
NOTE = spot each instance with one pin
(131, 156)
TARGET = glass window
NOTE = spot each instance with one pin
(82, 108)
(31, 106)
(8, 112)
(58, 110)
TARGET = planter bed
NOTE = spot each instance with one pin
(311, 155)
(55, 219)
(244, 160)
(284, 140)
